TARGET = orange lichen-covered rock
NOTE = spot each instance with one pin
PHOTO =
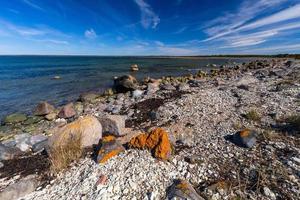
(244, 133)
(109, 148)
(157, 141)
(181, 189)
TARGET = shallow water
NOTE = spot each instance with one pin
(27, 80)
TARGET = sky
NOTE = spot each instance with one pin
(149, 27)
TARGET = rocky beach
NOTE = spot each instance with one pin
(230, 133)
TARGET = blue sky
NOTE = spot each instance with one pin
(149, 27)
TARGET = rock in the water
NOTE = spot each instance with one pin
(15, 118)
(67, 111)
(157, 141)
(87, 128)
(19, 189)
(125, 83)
(7, 153)
(109, 148)
(137, 93)
(44, 108)
(245, 138)
(168, 86)
(113, 124)
(88, 97)
(182, 189)
(134, 67)
(51, 116)
(32, 120)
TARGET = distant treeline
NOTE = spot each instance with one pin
(296, 56)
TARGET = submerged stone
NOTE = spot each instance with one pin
(15, 118)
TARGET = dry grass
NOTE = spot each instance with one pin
(61, 157)
(253, 115)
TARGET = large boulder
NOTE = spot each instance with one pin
(20, 189)
(43, 108)
(113, 124)
(125, 83)
(109, 148)
(15, 118)
(67, 111)
(88, 129)
(157, 141)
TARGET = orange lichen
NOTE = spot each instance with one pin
(183, 186)
(108, 138)
(109, 155)
(157, 141)
(245, 133)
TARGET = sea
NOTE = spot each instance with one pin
(27, 80)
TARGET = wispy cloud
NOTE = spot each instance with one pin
(52, 41)
(33, 5)
(149, 19)
(90, 34)
(233, 22)
(181, 30)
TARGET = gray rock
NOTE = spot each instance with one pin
(37, 139)
(15, 118)
(67, 111)
(44, 108)
(113, 124)
(7, 153)
(51, 116)
(152, 88)
(269, 193)
(88, 97)
(1, 165)
(168, 86)
(181, 189)
(20, 188)
(183, 87)
(40, 146)
(137, 93)
(125, 83)
(245, 138)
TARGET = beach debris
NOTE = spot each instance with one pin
(157, 141)
(15, 118)
(43, 108)
(88, 97)
(67, 111)
(20, 188)
(87, 128)
(182, 189)
(134, 68)
(109, 147)
(125, 83)
(113, 124)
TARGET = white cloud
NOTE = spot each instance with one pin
(159, 43)
(149, 19)
(232, 22)
(90, 34)
(181, 30)
(33, 5)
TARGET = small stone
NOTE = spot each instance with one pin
(134, 68)
(183, 87)
(78, 107)
(113, 124)
(181, 189)
(125, 83)
(102, 180)
(88, 97)
(43, 108)
(67, 111)
(15, 118)
(168, 86)
(137, 93)
(245, 138)
(51, 116)
(269, 193)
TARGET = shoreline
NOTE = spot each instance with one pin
(219, 98)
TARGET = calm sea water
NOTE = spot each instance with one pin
(27, 80)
